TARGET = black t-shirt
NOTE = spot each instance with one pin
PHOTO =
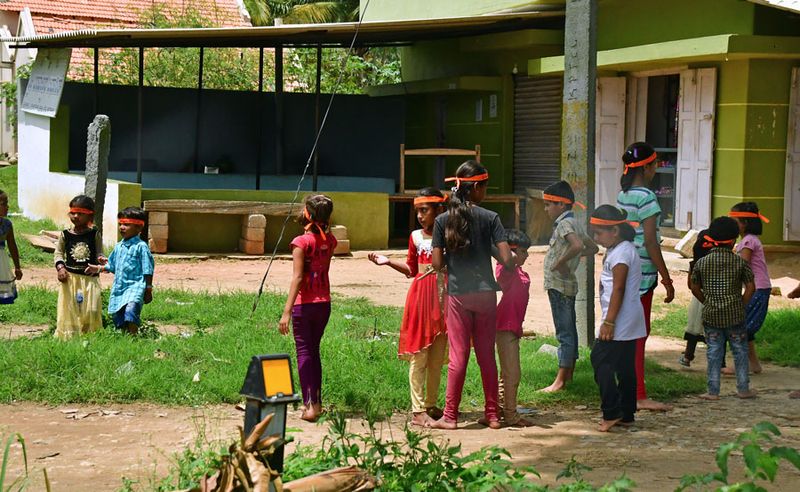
(470, 270)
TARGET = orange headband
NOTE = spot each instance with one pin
(312, 222)
(131, 221)
(471, 179)
(607, 222)
(748, 215)
(641, 163)
(712, 243)
(79, 210)
(561, 199)
(429, 199)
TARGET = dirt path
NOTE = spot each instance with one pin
(90, 446)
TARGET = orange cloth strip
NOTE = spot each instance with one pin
(562, 199)
(312, 222)
(641, 163)
(79, 210)
(748, 215)
(471, 179)
(606, 222)
(131, 221)
(429, 199)
(712, 243)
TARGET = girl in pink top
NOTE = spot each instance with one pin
(309, 300)
(751, 250)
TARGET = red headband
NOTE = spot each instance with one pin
(312, 222)
(713, 243)
(748, 215)
(562, 199)
(79, 210)
(131, 221)
(641, 163)
(429, 199)
(471, 179)
(607, 222)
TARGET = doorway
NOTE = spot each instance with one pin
(661, 132)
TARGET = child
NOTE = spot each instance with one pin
(717, 281)
(623, 322)
(309, 301)
(8, 287)
(750, 249)
(132, 266)
(694, 317)
(423, 338)
(467, 232)
(515, 284)
(640, 162)
(79, 302)
(567, 244)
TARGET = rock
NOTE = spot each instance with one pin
(546, 348)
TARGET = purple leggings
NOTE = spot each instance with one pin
(308, 326)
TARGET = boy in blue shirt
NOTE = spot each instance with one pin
(132, 266)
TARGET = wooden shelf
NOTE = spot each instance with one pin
(434, 152)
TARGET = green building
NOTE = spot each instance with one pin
(712, 84)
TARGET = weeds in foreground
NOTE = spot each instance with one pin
(20, 483)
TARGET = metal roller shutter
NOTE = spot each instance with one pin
(537, 132)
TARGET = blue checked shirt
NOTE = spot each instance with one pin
(129, 262)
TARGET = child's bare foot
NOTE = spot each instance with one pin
(746, 394)
(492, 424)
(709, 396)
(444, 424)
(728, 371)
(556, 386)
(434, 412)
(656, 406)
(421, 419)
(309, 415)
(794, 395)
(755, 368)
(605, 425)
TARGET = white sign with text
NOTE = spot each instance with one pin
(46, 82)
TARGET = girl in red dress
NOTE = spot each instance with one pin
(423, 338)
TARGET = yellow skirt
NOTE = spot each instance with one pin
(80, 306)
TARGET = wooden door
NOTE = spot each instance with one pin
(698, 91)
(791, 202)
(609, 138)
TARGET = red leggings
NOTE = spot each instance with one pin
(647, 303)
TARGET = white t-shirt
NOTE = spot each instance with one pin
(630, 319)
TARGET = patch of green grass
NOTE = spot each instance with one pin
(28, 255)
(778, 341)
(359, 356)
(672, 323)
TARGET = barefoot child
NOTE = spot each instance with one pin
(132, 266)
(8, 287)
(423, 339)
(567, 244)
(515, 284)
(623, 322)
(694, 316)
(717, 281)
(80, 304)
(308, 304)
(467, 233)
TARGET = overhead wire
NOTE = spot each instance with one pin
(310, 157)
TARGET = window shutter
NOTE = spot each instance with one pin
(609, 138)
(791, 202)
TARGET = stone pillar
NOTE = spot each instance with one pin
(577, 137)
(254, 231)
(98, 144)
(158, 231)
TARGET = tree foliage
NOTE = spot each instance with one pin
(264, 12)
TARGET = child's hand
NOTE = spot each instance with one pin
(18, 273)
(63, 275)
(562, 269)
(102, 260)
(283, 324)
(93, 269)
(378, 259)
(670, 291)
(606, 332)
(148, 296)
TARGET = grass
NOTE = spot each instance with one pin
(358, 351)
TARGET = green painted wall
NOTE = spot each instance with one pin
(750, 155)
(429, 9)
(364, 215)
(59, 141)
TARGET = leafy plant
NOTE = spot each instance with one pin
(759, 464)
(20, 483)
(8, 95)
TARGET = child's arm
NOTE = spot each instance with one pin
(148, 289)
(589, 247)
(576, 247)
(298, 260)
(749, 290)
(58, 257)
(504, 255)
(654, 252)
(14, 252)
(619, 274)
(746, 254)
(696, 285)
(396, 265)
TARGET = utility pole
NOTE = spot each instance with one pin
(578, 137)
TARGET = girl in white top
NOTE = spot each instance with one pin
(614, 352)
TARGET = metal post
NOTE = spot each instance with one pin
(259, 145)
(279, 109)
(96, 102)
(198, 113)
(578, 137)
(139, 124)
(318, 90)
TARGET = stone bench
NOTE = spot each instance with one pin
(254, 220)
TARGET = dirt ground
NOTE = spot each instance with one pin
(90, 446)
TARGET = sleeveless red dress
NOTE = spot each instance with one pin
(423, 316)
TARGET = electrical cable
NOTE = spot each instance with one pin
(310, 157)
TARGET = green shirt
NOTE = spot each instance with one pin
(641, 203)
